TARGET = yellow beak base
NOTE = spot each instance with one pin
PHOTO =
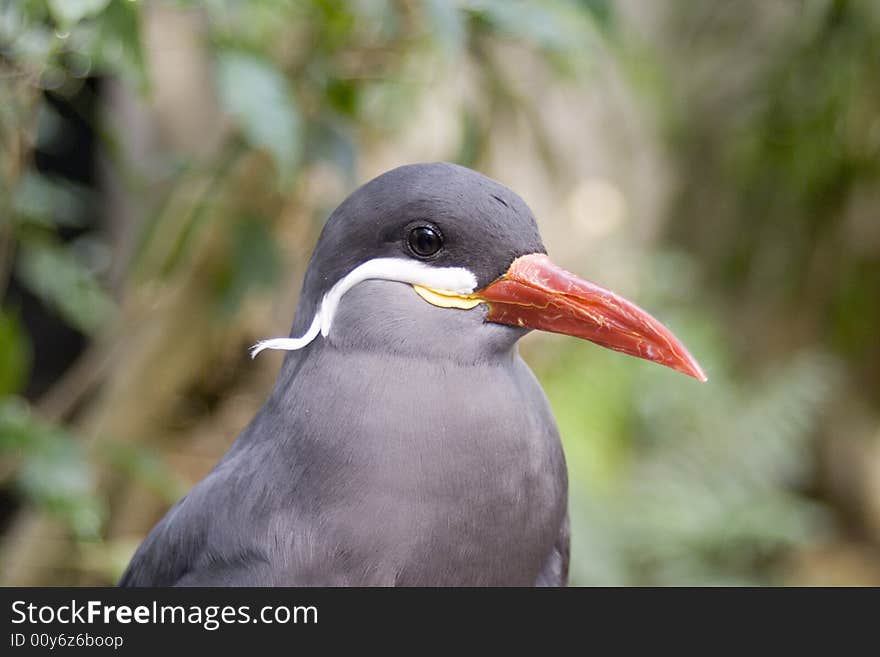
(446, 299)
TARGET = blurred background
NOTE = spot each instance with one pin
(166, 167)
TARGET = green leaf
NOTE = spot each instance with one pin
(58, 476)
(68, 12)
(330, 141)
(531, 22)
(41, 200)
(446, 23)
(63, 283)
(601, 10)
(566, 33)
(53, 470)
(255, 263)
(119, 44)
(16, 425)
(343, 96)
(258, 96)
(34, 45)
(15, 354)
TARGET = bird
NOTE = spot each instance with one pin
(406, 442)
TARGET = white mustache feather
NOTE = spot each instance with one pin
(401, 270)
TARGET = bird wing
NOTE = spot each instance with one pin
(205, 537)
(167, 553)
(555, 570)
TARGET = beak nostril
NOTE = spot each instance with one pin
(500, 200)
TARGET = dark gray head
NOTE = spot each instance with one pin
(439, 261)
(441, 216)
(484, 226)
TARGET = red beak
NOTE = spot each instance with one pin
(536, 294)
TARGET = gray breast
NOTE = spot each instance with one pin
(404, 465)
(441, 473)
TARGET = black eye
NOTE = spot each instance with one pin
(424, 241)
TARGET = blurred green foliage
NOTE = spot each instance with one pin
(680, 482)
(54, 274)
(259, 97)
(781, 174)
(672, 482)
(53, 469)
(14, 353)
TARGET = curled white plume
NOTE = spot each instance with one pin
(401, 270)
(289, 344)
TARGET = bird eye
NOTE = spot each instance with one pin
(424, 241)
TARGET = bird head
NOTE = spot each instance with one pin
(465, 262)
